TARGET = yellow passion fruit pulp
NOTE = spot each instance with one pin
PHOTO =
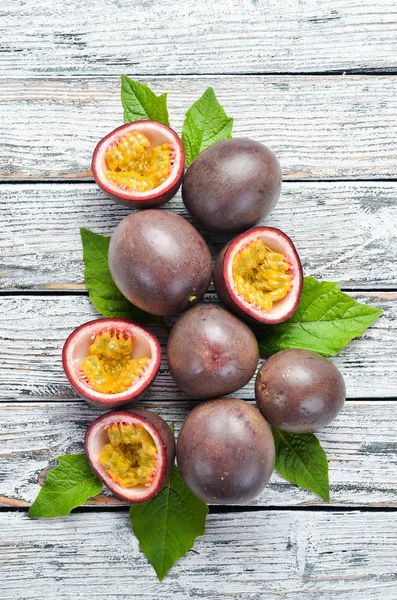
(109, 367)
(134, 165)
(130, 456)
(261, 275)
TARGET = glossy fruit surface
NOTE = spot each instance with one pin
(211, 353)
(132, 452)
(111, 362)
(232, 185)
(139, 164)
(159, 262)
(299, 391)
(225, 451)
(258, 275)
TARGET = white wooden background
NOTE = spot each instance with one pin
(315, 80)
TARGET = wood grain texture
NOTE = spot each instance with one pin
(34, 329)
(232, 36)
(41, 248)
(244, 556)
(319, 127)
(360, 446)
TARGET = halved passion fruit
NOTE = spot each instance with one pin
(111, 362)
(259, 276)
(139, 164)
(132, 452)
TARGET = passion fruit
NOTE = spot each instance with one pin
(211, 353)
(132, 452)
(258, 275)
(111, 362)
(159, 262)
(232, 185)
(139, 164)
(225, 451)
(299, 391)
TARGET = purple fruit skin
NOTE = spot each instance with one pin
(232, 185)
(159, 262)
(299, 391)
(211, 353)
(225, 451)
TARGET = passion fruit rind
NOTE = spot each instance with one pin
(226, 288)
(159, 262)
(164, 441)
(159, 134)
(225, 451)
(76, 351)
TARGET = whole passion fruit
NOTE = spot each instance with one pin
(132, 452)
(111, 362)
(211, 353)
(232, 185)
(139, 164)
(159, 262)
(259, 276)
(299, 391)
(225, 451)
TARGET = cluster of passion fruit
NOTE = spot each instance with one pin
(160, 262)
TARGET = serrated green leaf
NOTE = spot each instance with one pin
(206, 123)
(301, 460)
(140, 103)
(167, 525)
(325, 321)
(66, 487)
(104, 294)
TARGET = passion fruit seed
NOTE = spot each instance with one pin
(261, 275)
(130, 456)
(134, 165)
(109, 366)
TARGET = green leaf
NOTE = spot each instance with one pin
(206, 123)
(301, 460)
(140, 103)
(102, 290)
(66, 487)
(325, 321)
(167, 525)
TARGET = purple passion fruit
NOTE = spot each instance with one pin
(139, 164)
(111, 362)
(225, 451)
(211, 353)
(232, 185)
(132, 452)
(159, 262)
(299, 390)
(259, 276)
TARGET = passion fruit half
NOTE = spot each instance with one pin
(211, 352)
(139, 164)
(111, 362)
(225, 451)
(299, 391)
(232, 185)
(159, 262)
(132, 452)
(259, 275)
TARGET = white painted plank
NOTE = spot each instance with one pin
(343, 231)
(319, 127)
(232, 36)
(360, 446)
(33, 331)
(242, 556)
